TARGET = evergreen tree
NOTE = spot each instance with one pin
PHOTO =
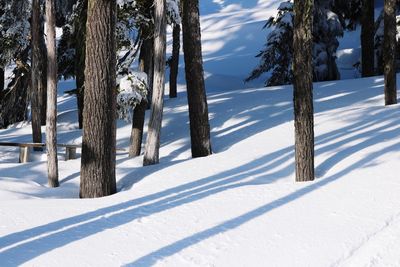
(99, 115)
(349, 12)
(146, 66)
(51, 122)
(35, 73)
(174, 60)
(2, 79)
(389, 52)
(196, 94)
(14, 48)
(303, 87)
(367, 39)
(326, 30)
(80, 49)
(151, 154)
(276, 57)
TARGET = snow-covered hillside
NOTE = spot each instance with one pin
(238, 207)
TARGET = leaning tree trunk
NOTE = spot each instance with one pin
(389, 52)
(51, 120)
(197, 100)
(99, 116)
(35, 72)
(176, 46)
(145, 65)
(151, 154)
(42, 84)
(367, 38)
(303, 90)
(80, 41)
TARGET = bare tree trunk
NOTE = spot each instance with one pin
(145, 65)
(303, 90)
(51, 122)
(197, 100)
(80, 40)
(35, 72)
(389, 52)
(151, 154)
(99, 115)
(367, 39)
(42, 85)
(173, 75)
(2, 79)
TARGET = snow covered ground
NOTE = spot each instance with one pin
(238, 207)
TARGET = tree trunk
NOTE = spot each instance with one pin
(151, 74)
(173, 75)
(35, 72)
(2, 79)
(137, 129)
(51, 120)
(14, 99)
(99, 116)
(389, 52)
(303, 90)
(367, 39)
(197, 100)
(80, 41)
(145, 65)
(42, 85)
(151, 154)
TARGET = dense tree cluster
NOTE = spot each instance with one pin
(100, 42)
(276, 57)
(330, 19)
(116, 52)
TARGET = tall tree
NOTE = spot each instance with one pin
(174, 62)
(303, 90)
(151, 154)
(145, 65)
(35, 73)
(80, 48)
(367, 38)
(2, 80)
(197, 100)
(51, 118)
(42, 83)
(389, 52)
(99, 116)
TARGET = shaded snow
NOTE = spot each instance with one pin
(238, 207)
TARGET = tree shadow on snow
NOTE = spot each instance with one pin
(20, 247)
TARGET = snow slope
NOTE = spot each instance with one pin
(238, 207)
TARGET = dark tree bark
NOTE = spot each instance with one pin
(80, 41)
(51, 122)
(176, 46)
(389, 52)
(303, 90)
(2, 79)
(99, 116)
(367, 39)
(145, 65)
(14, 99)
(42, 84)
(151, 75)
(197, 100)
(151, 154)
(35, 73)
